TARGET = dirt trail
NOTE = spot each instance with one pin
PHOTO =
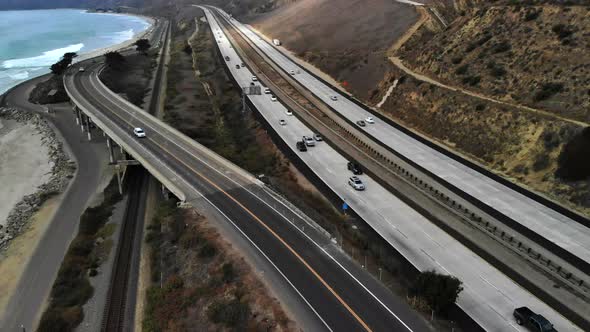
(398, 62)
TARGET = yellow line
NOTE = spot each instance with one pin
(301, 259)
(278, 237)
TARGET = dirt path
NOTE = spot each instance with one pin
(424, 17)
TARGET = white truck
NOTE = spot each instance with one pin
(276, 42)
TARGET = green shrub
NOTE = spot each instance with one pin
(231, 314)
(574, 159)
(228, 272)
(471, 80)
(548, 90)
(438, 290)
(207, 250)
(462, 70)
(562, 31)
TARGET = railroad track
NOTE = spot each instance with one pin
(115, 306)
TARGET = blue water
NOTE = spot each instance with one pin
(32, 40)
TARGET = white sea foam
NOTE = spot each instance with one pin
(121, 36)
(47, 59)
(19, 75)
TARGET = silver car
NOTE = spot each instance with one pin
(356, 183)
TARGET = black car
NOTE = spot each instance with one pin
(525, 316)
(301, 146)
(355, 168)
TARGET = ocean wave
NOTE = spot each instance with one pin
(47, 59)
(121, 36)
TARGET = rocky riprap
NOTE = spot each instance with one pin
(62, 171)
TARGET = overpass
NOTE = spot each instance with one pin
(340, 295)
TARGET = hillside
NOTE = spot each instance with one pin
(531, 55)
(347, 39)
(503, 87)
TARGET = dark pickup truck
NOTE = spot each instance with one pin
(535, 322)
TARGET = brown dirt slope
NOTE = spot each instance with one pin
(531, 55)
(345, 38)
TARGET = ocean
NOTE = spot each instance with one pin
(32, 40)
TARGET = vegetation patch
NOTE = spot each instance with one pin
(129, 75)
(211, 292)
(72, 289)
(574, 159)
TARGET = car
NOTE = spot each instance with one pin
(301, 146)
(226, 58)
(356, 183)
(282, 122)
(81, 69)
(354, 167)
(230, 46)
(288, 112)
(267, 91)
(273, 98)
(535, 322)
(361, 123)
(138, 132)
(318, 137)
(308, 141)
(237, 66)
(243, 64)
(254, 78)
(370, 119)
(292, 72)
(334, 98)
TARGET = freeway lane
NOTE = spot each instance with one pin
(489, 296)
(546, 222)
(250, 212)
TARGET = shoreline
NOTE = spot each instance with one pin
(152, 22)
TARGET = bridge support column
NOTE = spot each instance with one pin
(88, 129)
(165, 192)
(82, 116)
(119, 182)
(76, 114)
(110, 147)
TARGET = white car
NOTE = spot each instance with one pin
(334, 98)
(81, 69)
(370, 119)
(273, 98)
(318, 137)
(288, 112)
(308, 141)
(138, 132)
(254, 78)
(267, 91)
(282, 122)
(292, 72)
(356, 183)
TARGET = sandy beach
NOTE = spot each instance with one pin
(24, 163)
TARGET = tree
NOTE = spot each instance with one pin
(438, 290)
(114, 59)
(574, 159)
(60, 67)
(142, 45)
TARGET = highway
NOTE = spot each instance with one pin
(565, 232)
(342, 296)
(489, 296)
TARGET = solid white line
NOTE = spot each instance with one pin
(321, 248)
(231, 221)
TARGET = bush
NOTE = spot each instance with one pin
(232, 314)
(471, 80)
(562, 31)
(462, 70)
(574, 160)
(501, 47)
(457, 60)
(548, 90)
(440, 291)
(228, 272)
(531, 15)
(207, 250)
